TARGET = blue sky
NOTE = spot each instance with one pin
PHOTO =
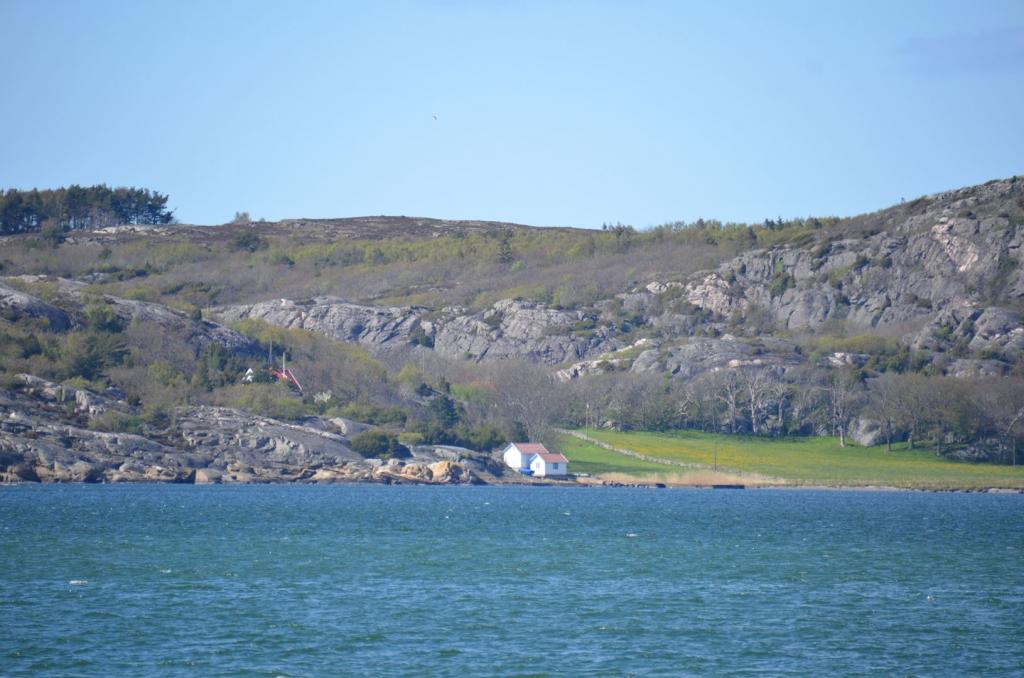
(548, 113)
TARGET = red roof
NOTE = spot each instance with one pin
(553, 457)
(532, 448)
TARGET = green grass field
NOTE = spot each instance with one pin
(799, 461)
(586, 457)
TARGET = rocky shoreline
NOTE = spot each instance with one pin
(45, 437)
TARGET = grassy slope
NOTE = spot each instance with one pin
(808, 461)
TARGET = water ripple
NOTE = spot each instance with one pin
(304, 581)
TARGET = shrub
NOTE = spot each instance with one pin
(217, 367)
(410, 438)
(269, 400)
(142, 293)
(373, 414)
(277, 257)
(444, 411)
(165, 374)
(88, 354)
(248, 242)
(52, 233)
(15, 344)
(379, 445)
(100, 317)
(157, 416)
(484, 438)
(780, 283)
(116, 422)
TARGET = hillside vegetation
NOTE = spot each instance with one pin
(897, 328)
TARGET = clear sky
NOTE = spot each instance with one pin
(568, 113)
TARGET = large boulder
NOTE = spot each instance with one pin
(208, 476)
(866, 432)
(446, 471)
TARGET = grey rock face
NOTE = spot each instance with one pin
(973, 329)
(377, 327)
(998, 329)
(199, 334)
(86, 402)
(61, 453)
(943, 257)
(15, 305)
(951, 264)
(509, 329)
(519, 330)
(620, 359)
(226, 435)
(208, 445)
(700, 355)
(948, 326)
(969, 367)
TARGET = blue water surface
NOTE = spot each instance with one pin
(131, 580)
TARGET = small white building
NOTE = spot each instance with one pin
(549, 464)
(518, 455)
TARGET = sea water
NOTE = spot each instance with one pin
(134, 580)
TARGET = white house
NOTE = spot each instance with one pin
(518, 455)
(549, 464)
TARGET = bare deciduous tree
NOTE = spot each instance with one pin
(843, 392)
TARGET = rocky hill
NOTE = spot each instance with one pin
(943, 272)
(124, 347)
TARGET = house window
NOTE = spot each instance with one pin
(554, 467)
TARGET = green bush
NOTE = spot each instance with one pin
(87, 354)
(484, 438)
(780, 283)
(117, 422)
(52, 233)
(142, 293)
(410, 438)
(248, 242)
(165, 374)
(157, 416)
(379, 445)
(101, 317)
(268, 400)
(373, 414)
(17, 344)
(217, 367)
